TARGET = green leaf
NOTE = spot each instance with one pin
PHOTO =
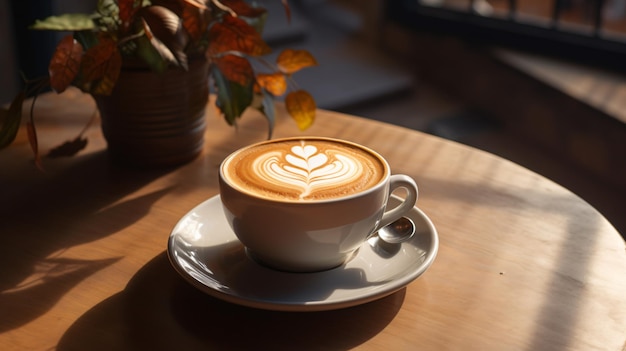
(166, 30)
(65, 22)
(150, 55)
(232, 98)
(268, 110)
(87, 38)
(11, 123)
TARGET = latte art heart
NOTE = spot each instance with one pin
(304, 170)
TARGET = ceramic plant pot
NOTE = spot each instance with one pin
(156, 119)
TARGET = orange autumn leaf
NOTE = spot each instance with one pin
(290, 61)
(178, 6)
(301, 106)
(195, 19)
(65, 63)
(242, 8)
(275, 83)
(234, 34)
(235, 69)
(127, 10)
(101, 65)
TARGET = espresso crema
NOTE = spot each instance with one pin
(303, 170)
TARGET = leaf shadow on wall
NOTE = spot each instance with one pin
(158, 310)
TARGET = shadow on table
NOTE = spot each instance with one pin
(52, 213)
(158, 310)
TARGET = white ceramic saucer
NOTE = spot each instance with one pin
(204, 250)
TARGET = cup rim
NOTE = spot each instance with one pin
(384, 179)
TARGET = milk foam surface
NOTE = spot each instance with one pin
(304, 170)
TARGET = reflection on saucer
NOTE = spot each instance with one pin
(204, 250)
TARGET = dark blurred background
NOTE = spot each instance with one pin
(540, 82)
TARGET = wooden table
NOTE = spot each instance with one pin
(523, 263)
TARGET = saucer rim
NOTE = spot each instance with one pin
(312, 306)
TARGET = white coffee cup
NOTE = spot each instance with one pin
(308, 203)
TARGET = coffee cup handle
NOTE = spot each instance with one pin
(398, 181)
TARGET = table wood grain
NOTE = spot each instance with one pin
(523, 263)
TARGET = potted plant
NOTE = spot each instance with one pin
(148, 65)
